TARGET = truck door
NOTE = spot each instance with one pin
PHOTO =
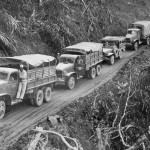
(80, 65)
(139, 34)
(13, 81)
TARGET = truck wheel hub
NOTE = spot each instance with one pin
(72, 82)
(2, 109)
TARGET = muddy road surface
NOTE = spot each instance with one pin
(21, 118)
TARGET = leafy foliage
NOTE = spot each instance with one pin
(62, 23)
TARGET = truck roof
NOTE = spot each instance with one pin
(133, 29)
(144, 25)
(7, 70)
(69, 55)
(114, 38)
(143, 22)
(32, 59)
(86, 47)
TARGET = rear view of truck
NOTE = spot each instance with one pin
(138, 33)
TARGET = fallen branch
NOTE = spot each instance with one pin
(33, 144)
(41, 131)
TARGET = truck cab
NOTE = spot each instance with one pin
(133, 38)
(8, 87)
(70, 67)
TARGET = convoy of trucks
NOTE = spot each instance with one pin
(76, 61)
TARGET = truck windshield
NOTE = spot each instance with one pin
(66, 60)
(3, 76)
(131, 32)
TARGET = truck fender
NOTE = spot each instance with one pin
(109, 54)
(6, 97)
(135, 40)
(72, 73)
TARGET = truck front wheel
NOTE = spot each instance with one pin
(112, 60)
(136, 46)
(148, 41)
(98, 70)
(2, 109)
(47, 94)
(92, 73)
(39, 98)
(71, 83)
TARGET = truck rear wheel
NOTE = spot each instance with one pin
(47, 94)
(112, 60)
(136, 46)
(148, 41)
(98, 70)
(2, 109)
(38, 101)
(92, 73)
(71, 83)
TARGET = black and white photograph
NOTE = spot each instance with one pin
(74, 74)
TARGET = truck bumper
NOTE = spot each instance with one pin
(61, 80)
(129, 44)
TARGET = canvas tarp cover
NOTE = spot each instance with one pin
(34, 60)
(145, 25)
(85, 47)
(113, 38)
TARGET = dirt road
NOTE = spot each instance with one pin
(21, 118)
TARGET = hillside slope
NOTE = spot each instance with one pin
(46, 26)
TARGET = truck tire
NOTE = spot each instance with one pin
(71, 83)
(47, 94)
(112, 60)
(120, 54)
(38, 100)
(92, 73)
(98, 70)
(2, 109)
(135, 46)
(148, 41)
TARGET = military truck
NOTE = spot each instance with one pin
(76, 61)
(138, 33)
(113, 47)
(41, 75)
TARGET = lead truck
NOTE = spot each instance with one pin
(138, 33)
(41, 76)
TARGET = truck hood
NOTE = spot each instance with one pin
(2, 82)
(130, 36)
(107, 50)
(65, 67)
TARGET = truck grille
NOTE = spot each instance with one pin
(128, 40)
(59, 73)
